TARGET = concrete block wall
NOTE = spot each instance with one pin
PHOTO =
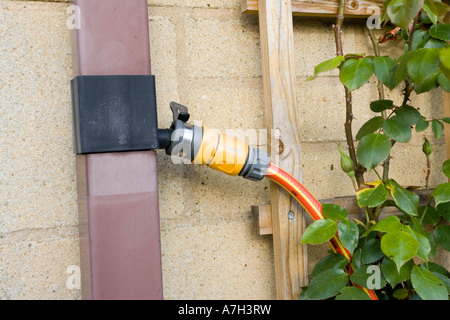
(206, 55)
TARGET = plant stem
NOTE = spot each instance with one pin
(407, 93)
(349, 133)
(376, 49)
(427, 181)
(427, 186)
(338, 28)
(378, 175)
(355, 184)
(410, 41)
(348, 96)
(411, 32)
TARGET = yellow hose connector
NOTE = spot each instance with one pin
(221, 152)
(207, 146)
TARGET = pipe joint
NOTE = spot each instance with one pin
(207, 146)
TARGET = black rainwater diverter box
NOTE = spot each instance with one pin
(114, 113)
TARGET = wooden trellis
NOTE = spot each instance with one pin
(320, 8)
(284, 217)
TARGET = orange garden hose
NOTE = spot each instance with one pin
(314, 209)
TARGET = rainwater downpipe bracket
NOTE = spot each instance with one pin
(114, 113)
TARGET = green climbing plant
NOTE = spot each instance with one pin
(393, 255)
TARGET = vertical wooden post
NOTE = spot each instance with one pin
(276, 32)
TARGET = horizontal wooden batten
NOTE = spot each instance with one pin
(326, 8)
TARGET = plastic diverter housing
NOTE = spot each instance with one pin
(114, 113)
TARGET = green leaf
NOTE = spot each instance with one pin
(327, 284)
(427, 285)
(444, 210)
(319, 231)
(436, 268)
(445, 280)
(424, 249)
(418, 226)
(371, 251)
(437, 127)
(303, 294)
(422, 124)
(373, 149)
(421, 37)
(401, 12)
(326, 66)
(441, 193)
(348, 233)
(401, 69)
(444, 82)
(334, 211)
(408, 114)
(430, 10)
(397, 129)
(440, 31)
(433, 245)
(372, 197)
(429, 215)
(435, 9)
(446, 168)
(383, 68)
(384, 15)
(423, 246)
(406, 201)
(436, 43)
(394, 276)
(356, 259)
(444, 56)
(418, 229)
(399, 246)
(355, 72)
(388, 224)
(429, 84)
(333, 260)
(381, 105)
(352, 293)
(442, 235)
(423, 64)
(442, 8)
(401, 294)
(369, 127)
(361, 277)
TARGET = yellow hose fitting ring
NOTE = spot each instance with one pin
(208, 147)
(230, 156)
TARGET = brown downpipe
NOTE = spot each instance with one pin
(119, 226)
